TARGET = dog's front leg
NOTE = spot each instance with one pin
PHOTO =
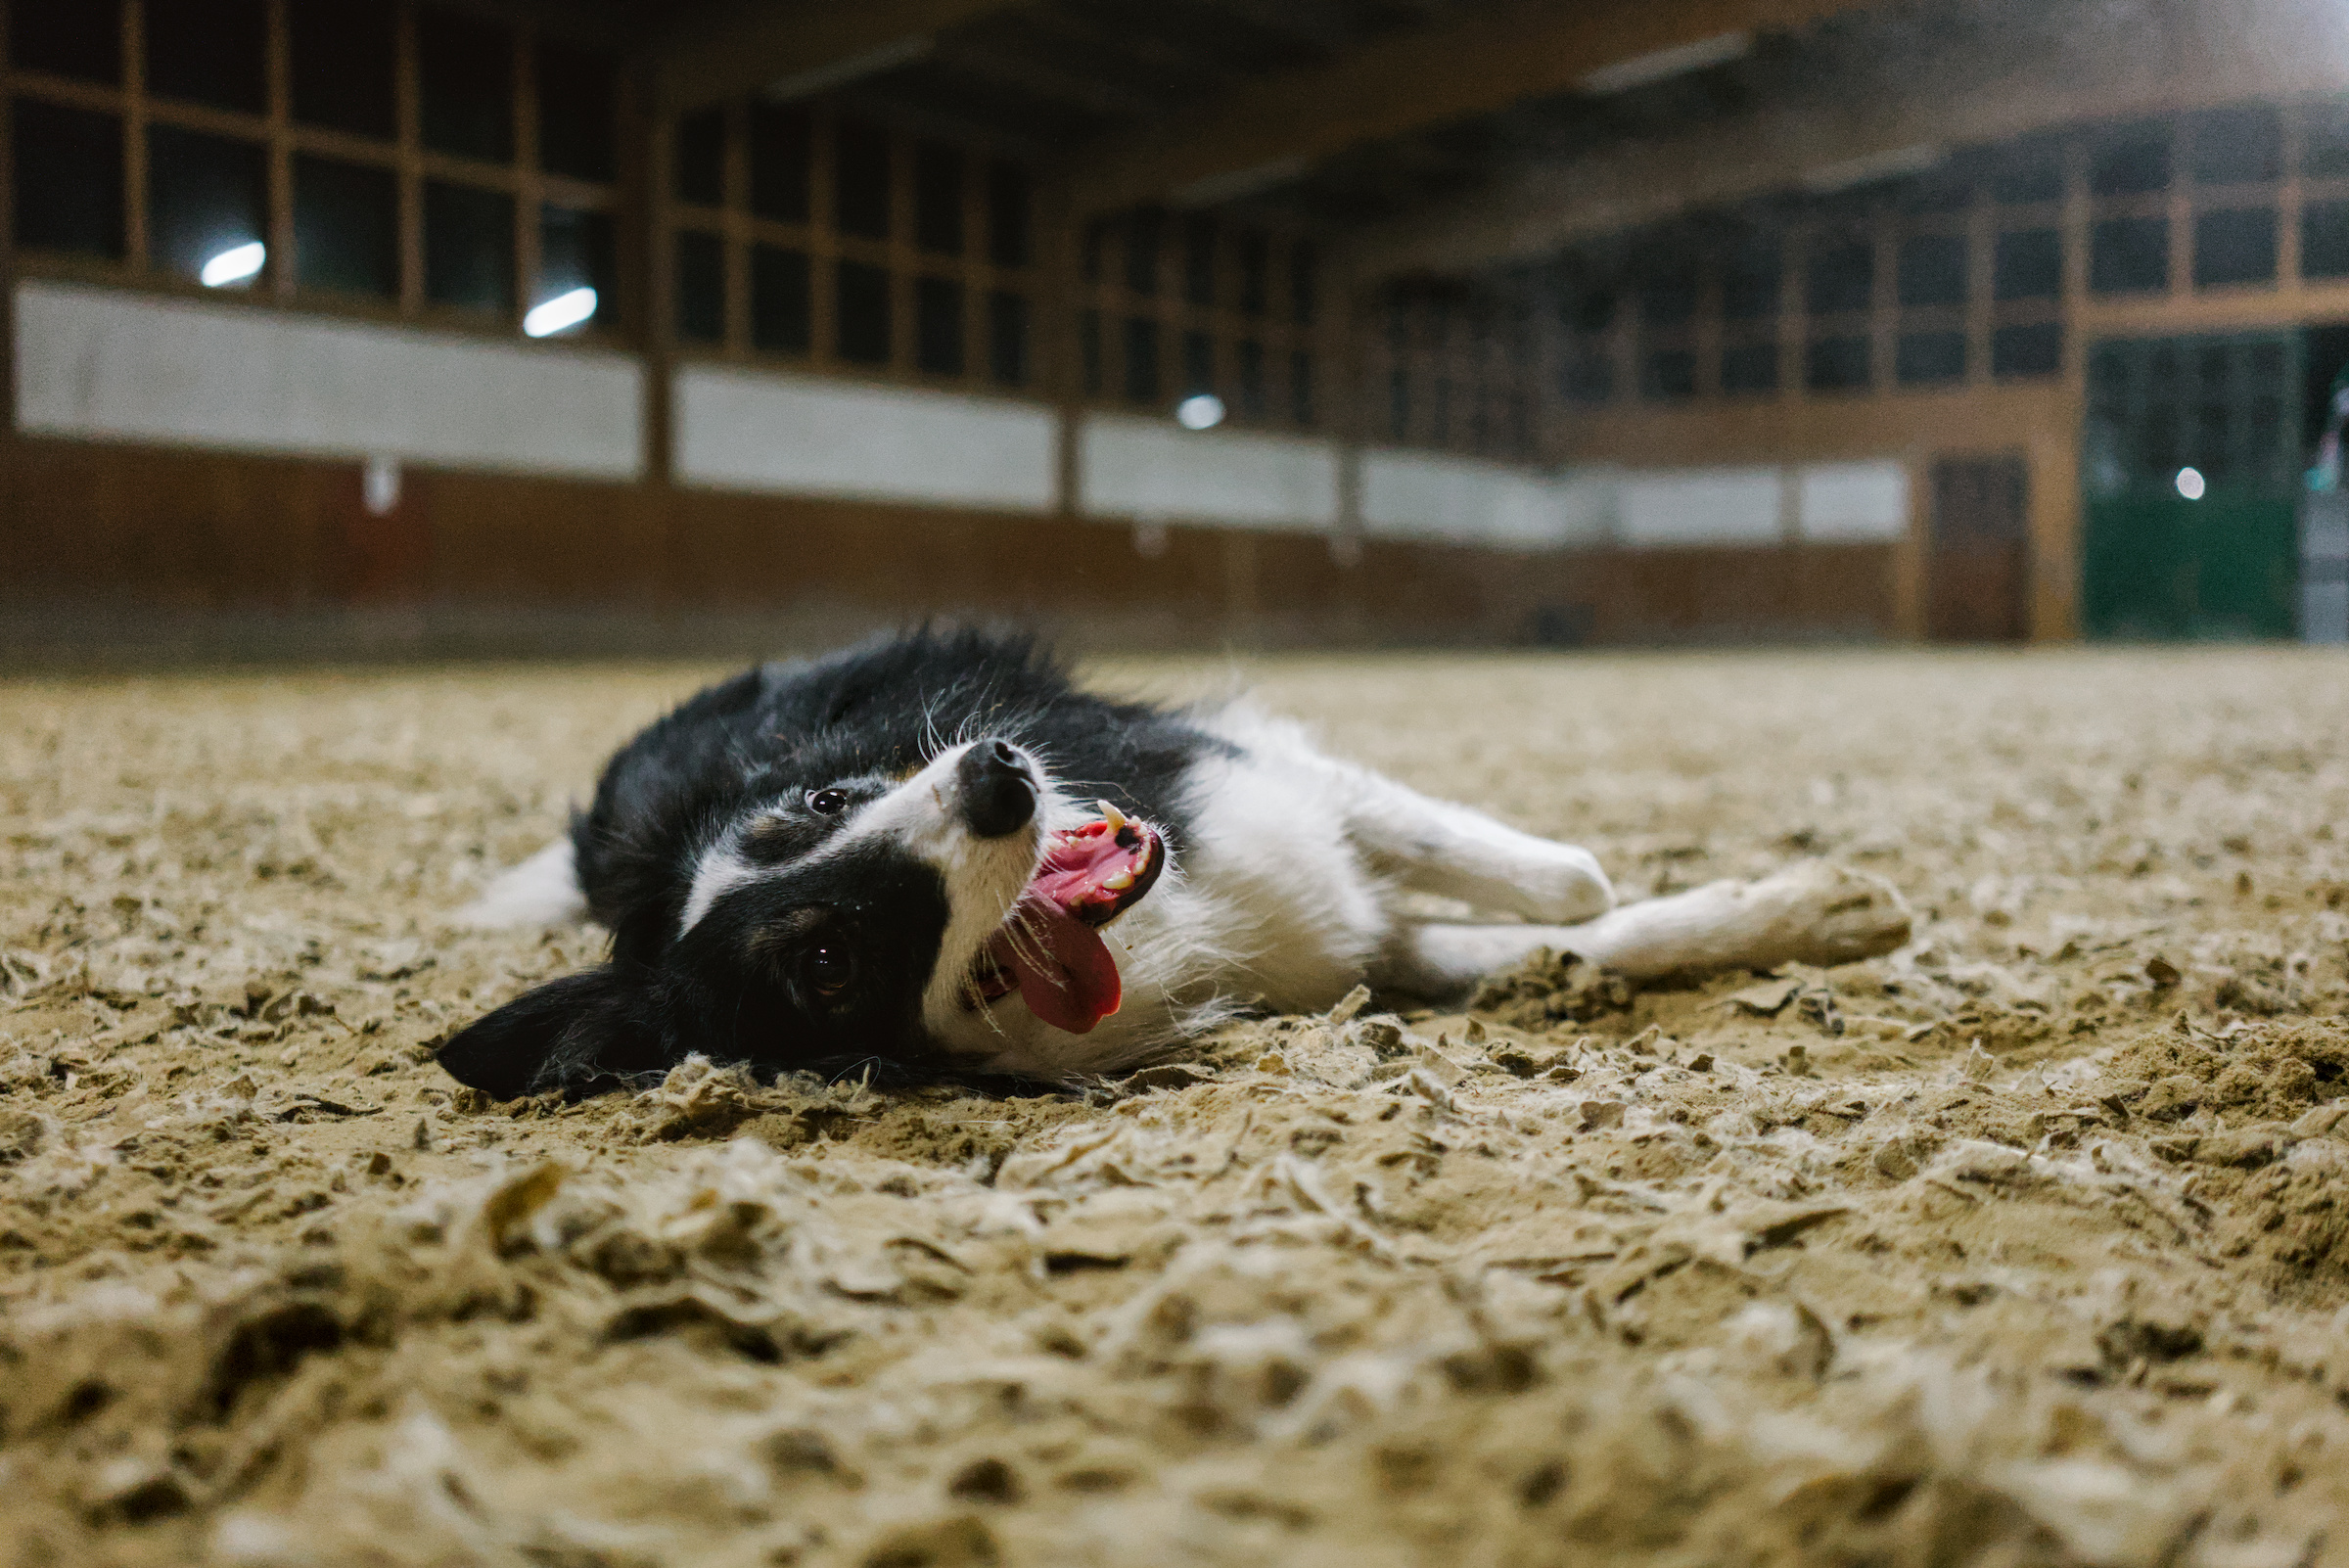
(1815, 913)
(1457, 852)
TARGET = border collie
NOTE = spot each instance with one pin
(936, 853)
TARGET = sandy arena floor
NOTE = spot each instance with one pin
(2029, 1244)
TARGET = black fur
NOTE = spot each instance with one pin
(738, 986)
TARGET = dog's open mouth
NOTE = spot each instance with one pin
(1051, 950)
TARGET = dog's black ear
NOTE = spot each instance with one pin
(578, 1034)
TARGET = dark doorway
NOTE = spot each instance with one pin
(1978, 551)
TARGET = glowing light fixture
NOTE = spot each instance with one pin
(239, 264)
(559, 314)
(1199, 411)
(2191, 484)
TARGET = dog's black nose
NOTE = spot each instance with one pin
(998, 793)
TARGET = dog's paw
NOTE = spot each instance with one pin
(1834, 915)
(1564, 887)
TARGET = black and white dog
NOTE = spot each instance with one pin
(936, 853)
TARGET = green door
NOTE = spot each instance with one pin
(2191, 468)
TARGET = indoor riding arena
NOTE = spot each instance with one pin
(1894, 441)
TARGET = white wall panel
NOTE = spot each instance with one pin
(111, 364)
(1418, 495)
(759, 430)
(1699, 506)
(1148, 467)
(1864, 503)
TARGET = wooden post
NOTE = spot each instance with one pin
(278, 222)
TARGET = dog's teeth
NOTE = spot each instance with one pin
(1119, 882)
(1111, 816)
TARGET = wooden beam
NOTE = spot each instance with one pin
(750, 45)
(2068, 70)
(1426, 76)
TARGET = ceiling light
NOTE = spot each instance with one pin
(1199, 411)
(1661, 64)
(239, 264)
(2190, 484)
(562, 312)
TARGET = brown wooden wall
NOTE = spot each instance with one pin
(124, 528)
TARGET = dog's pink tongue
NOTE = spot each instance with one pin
(1077, 984)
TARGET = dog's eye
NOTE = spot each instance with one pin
(830, 970)
(827, 803)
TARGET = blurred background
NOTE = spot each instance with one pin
(607, 326)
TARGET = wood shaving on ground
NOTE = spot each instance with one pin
(2028, 1244)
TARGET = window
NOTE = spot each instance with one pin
(1256, 274)
(1007, 338)
(467, 246)
(701, 283)
(465, 70)
(1668, 294)
(860, 193)
(2324, 238)
(1141, 360)
(1198, 260)
(938, 326)
(861, 295)
(1668, 375)
(82, 41)
(938, 198)
(1842, 276)
(1251, 368)
(343, 59)
(2132, 162)
(309, 205)
(1932, 269)
(576, 126)
(1089, 351)
(1007, 220)
(68, 179)
(2034, 349)
(211, 52)
(576, 251)
(823, 281)
(2028, 174)
(1142, 232)
(1929, 358)
(1750, 368)
(206, 195)
(2029, 265)
(2325, 153)
(782, 305)
(782, 149)
(1836, 364)
(346, 228)
(1588, 377)
(1198, 362)
(700, 152)
(2235, 245)
(2129, 255)
(1750, 282)
(2236, 145)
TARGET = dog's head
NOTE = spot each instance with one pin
(833, 920)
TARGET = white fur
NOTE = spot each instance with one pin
(542, 890)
